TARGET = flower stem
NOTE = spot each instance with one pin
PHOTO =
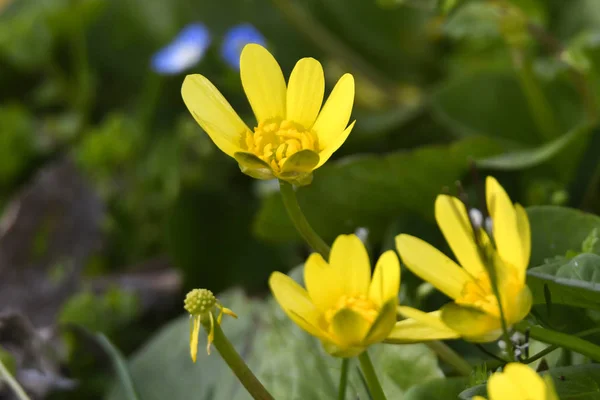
(570, 342)
(12, 382)
(369, 372)
(451, 357)
(297, 216)
(238, 366)
(343, 379)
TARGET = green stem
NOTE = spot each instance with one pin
(12, 382)
(149, 100)
(541, 354)
(297, 216)
(238, 366)
(445, 353)
(369, 372)
(565, 340)
(343, 379)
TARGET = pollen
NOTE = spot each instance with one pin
(275, 141)
(359, 304)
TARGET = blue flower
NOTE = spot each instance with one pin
(234, 41)
(185, 51)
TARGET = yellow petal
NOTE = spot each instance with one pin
(384, 323)
(348, 328)
(295, 302)
(431, 265)
(351, 263)
(451, 216)
(213, 113)
(518, 381)
(525, 238)
(385, 283)
(471, 324)
(334, 144)
(419, 327)
(305, 92)
(194, 333)
(299, 163)
(550, 390)
(505, 225)
(335, 113)
(263, 82)
(520, 306)
(253, 166)
(478, 398)
(322, 282)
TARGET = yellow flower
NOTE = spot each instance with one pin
(474, 314)
(293, 135)
(342, 305)
(519, 382)
(200, 304)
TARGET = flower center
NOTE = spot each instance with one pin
(273, 141)
(359, 304)
(478, 293)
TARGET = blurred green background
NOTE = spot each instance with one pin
(115, 203)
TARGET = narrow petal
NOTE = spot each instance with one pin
(305, 92)
(420, 327)
(213, 113)
(517, 381)
(525, 238)
(322, 283)
(351, 263)
(335, 113)
(253, 166)
(263, 82)
(431, 265)
(194, 334)
(295, 302)
(505, 225)
(384, 323)
(451, 215)
(472, 324)
(348, 328)
(385, 283)
(334, 144)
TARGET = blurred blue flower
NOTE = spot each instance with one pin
(185, 51)
(234, 41)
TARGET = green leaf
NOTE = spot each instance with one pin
(439, 389)
(528, 158)
(580, 382)
(491, 102)
(558, 230)
(574, 282)
(370, 190)
(120, 366)
(290, 363)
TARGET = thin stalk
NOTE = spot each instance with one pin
(371, 377)
(238, 366)
(451, 357)
(541, 354)
(343, 379)
(12, 382)
(300, 222)
(565, 340)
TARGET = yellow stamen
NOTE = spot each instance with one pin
(275, 141)
(359, 304)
